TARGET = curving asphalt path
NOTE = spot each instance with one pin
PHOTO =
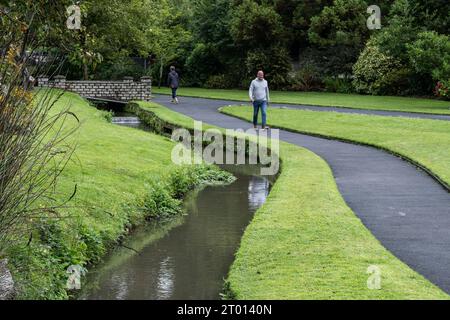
(406, 210)
(414, 115)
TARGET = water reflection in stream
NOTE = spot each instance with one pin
(192, 257)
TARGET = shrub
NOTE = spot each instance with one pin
(306, 79)
(186, 178)
(429, 52)
(212, 175)
(430, 56)
(442, 89)
(164, 197)
(340, 85)
(95, 246)
(217, 82)
(108, 115)
(275, 62)
(202, 61)
(378, 73)
(181, 181)
(28, 265)
(392, 39)
(159, 203)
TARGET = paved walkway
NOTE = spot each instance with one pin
(347, 110)
(405, 209)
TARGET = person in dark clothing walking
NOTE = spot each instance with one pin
(173, 80)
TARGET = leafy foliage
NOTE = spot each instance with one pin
(164, 198)
(275, 62)
(376, 72)
(221, 43)
(430, 55)
(306, 79)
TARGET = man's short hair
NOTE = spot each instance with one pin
(172, 68)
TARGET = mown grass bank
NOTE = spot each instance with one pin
(425, 142)
(311, 245)
(124, 177)
(326, 99)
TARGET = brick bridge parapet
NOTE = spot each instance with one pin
(124, 90)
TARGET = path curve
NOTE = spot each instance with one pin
(386, 113)
(405, 209)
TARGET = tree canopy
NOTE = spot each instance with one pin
(220, 43)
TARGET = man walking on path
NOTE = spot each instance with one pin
(259, 96)
(174, 81)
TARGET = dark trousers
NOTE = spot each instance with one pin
(174, 93)
(256, 106)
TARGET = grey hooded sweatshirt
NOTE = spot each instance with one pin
(259, 90)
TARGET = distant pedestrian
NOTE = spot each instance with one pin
(259, 96)
(173, 80)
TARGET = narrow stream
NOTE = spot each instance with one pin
(191, 260)
(187, 258)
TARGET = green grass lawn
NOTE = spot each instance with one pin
(423, 141)
(326, 99)
(306, 243)
(112, 168)
(310, 246)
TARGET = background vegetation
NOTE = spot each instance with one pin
(302, 45)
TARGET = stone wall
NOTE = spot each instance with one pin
(7, 290)
(124, 90)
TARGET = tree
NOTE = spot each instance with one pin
(343, 23)
(111, 29)
(256, 26)
(296, 17)
(342, 29)
(165, 34)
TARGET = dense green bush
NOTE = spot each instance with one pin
(159, 204)
(336, 84)
(342, 23)
(255, 25)
(164, 197)
(430, 56)
(181, 181)
(342, 28)
(275, 62)
(411, 35)
(220, 81)
(202, 62)
(28, 264)
(306, 79)
(392, 39)
(378, 73)
(212, 175)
